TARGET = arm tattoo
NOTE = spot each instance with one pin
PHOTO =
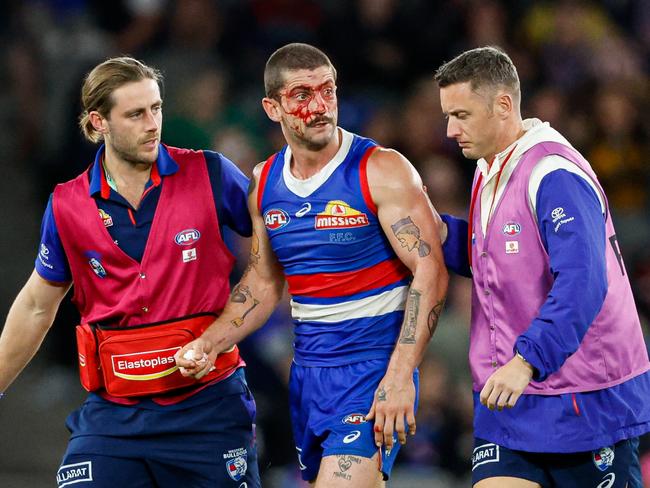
(408, 235)
(410, 317)
(381, 394)
(241, 294)
(434, 315)
(254, 256)
(345, 463)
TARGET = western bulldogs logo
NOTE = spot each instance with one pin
(94, 260)
(276, 218)
(237, 467)
(187, 237)
(511, 228)
(603, 458)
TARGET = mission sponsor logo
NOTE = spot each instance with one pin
(276, 218)
(145, 365)
(187, 237)
(339, 215)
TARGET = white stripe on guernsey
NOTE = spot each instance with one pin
(548, 165)
(386, 302)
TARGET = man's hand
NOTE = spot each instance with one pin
(394, 402)
(196, 358)
(506, 384)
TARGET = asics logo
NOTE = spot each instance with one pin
(351, 437)
(306, 207)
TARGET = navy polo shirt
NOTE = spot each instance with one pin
(129, 227)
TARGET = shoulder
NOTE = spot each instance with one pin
(389, 167)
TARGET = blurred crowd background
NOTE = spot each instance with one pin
(583, 67)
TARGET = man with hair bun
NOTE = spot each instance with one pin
(139, 235)
(559, 364)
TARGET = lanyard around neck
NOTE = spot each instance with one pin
(477, 186)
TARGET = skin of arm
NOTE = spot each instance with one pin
(28, 321)
(413, 228)
(251, 302)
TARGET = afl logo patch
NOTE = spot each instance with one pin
(187, 237)
(511, 228)
(354, 419)
(276, 219)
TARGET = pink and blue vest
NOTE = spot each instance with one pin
(511, 281)
(185, 268)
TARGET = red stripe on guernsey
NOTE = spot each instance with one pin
(363, 176)
(329, 285)
(263, 176)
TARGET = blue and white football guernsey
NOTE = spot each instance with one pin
(348, 287)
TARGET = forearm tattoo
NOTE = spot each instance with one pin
(241, 294)
(408, 235)
(434, 315)
(345, 463)
(410, 317)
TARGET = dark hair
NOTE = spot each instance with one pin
(484, 66)
(100, 84)
(292, 57)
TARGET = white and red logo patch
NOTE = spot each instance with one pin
(354, 419)
(145, 365)
(339, 215)
(511, 228)
(187, 237)
(276, 218)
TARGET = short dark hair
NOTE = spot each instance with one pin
(483, 66)
(292, 57)
(102, 81)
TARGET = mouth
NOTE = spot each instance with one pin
(151, 143)
(320, 123)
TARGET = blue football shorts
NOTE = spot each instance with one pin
(328, 407)
(608, 467)
(205, 441)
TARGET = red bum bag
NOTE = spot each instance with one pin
(139, 360)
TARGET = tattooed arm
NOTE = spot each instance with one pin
(412, 227)
(251, 303)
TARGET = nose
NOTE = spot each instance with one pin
(453, 129)
(152, 123)
(317, 103)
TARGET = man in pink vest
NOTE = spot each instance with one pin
(139, 234)
(558, 359)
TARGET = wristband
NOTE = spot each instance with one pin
(522, 358)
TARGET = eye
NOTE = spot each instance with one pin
(301, 96)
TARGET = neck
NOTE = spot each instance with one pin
(306, 163)
(514, 131)
(130, 178)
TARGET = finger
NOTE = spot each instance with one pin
(181, 361)
(410, 420)
(513, 399)
(379, 428)
(502, 401)
(389, 427)
(371, 413)
(485, 392)
(400, 429)
(491, 401)
(205, 369)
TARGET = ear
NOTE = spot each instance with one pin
(503, 105)
(100, 124)
(272, 109)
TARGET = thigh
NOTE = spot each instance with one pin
(345, 470)
(95, 471)
(495, 466)
(607, 467)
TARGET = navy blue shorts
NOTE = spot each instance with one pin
(607, 467)
(328, 407)
(206, 441)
